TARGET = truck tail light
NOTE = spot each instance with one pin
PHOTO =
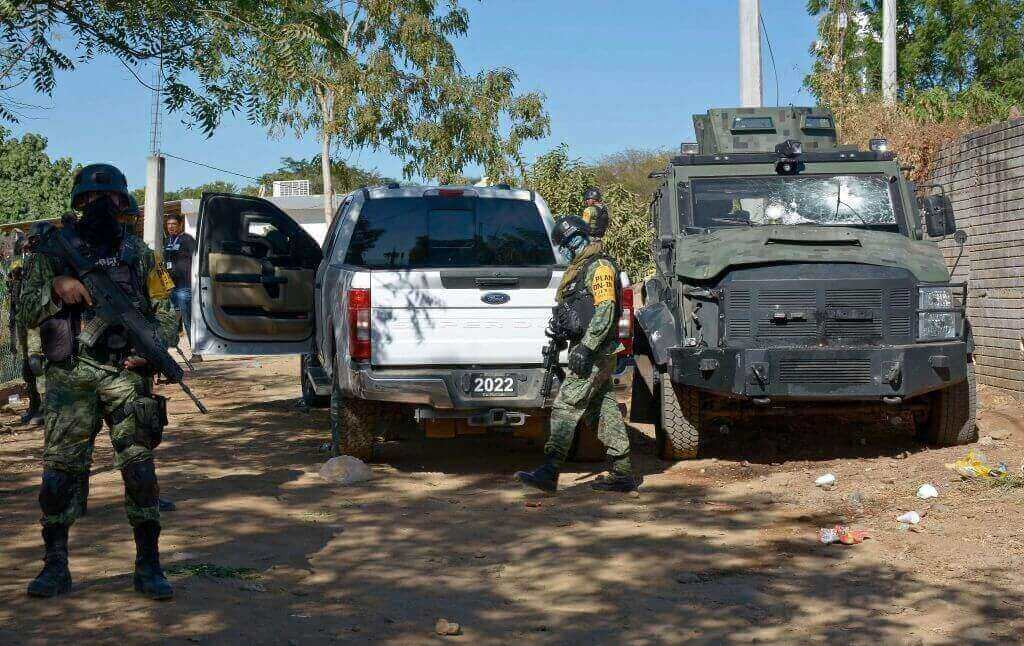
(626, 322)
(359, 324)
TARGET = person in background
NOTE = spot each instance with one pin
(21, 343)
(178, 249)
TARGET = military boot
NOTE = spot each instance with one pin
(149, 578)
(55, 578)
(33, 415)
(544, 477)
(620, 482)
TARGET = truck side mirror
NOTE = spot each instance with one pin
(938, 215)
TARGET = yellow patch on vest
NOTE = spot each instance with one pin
(589, 213)
(602, 285)
(159, 283)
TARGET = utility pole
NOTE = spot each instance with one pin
(750, 54)
(153, 216)
(889, 51)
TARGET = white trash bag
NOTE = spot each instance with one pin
(345, 469)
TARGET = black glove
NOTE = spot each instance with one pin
(581, 360)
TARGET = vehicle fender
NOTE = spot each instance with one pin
(659, 329)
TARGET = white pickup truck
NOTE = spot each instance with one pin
(425, 303)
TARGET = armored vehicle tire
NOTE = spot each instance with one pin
(353, 422)
(953, 414)
(680, 422)
(309, 395)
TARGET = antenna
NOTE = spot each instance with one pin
(154, 126)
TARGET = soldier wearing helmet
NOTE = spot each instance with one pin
(589, 306)
(595, 213)
(92, 375)
(21, 342)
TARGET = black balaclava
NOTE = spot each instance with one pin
(98, 225)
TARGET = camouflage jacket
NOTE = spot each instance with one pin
(600, 283)
(37, 301)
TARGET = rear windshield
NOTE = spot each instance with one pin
(440, 232)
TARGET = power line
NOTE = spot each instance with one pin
(222, 170)
(771, 55)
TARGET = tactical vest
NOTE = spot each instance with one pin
(63, 335)
(576, 307)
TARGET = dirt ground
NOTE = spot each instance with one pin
(720, 550)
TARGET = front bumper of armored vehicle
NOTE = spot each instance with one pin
(889, 373)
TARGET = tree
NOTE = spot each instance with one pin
(631, 168)
(194, 41)
(389, 79)
(32, 186)
(948, 50)
(562, 180)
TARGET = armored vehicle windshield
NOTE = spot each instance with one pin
(863, 200)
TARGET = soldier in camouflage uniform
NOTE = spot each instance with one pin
(595, 214)
(92, 375)
(21, 342)
(587, 315)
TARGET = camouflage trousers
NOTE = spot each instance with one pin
(80, 395)
(28, 344)
(592, 398)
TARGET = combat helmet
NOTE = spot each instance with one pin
(568, 227)
(98, 177)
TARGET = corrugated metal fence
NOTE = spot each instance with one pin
(983, 175)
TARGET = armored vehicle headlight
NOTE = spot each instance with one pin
(879, 145)
(936, 325)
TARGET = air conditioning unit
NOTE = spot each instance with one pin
(291, 187)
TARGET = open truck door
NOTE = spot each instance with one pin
(253, 279)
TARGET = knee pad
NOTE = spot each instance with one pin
(140, 483)
(56, 492)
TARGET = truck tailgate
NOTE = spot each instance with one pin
(440, 317)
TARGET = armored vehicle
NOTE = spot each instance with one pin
(793, 278)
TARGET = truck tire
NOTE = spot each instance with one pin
(309, 395)
(679, 425)
(353, 422)
(953, 414)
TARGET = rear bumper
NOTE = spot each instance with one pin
(870, 373)
(445, 388)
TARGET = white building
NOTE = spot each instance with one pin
(307, 210)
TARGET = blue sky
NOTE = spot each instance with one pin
(616, 75)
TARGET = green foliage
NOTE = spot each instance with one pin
(561, 180)
(964, 57)
(32, 186)
(387, 77)
(631, 168)
(200, 44)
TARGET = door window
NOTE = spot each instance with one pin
(257, 229)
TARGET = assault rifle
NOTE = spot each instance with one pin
(551, 367)
(114, 307)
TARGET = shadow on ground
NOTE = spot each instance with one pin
(441, 532)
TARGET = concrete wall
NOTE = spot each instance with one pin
(983, 174)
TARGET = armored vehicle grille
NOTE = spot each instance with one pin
(786, 298)
(853, 329)
(818, 305)
(853, 298)
(844, 373)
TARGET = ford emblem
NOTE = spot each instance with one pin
(495, 298)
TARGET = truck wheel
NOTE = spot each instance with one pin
(309, 395)
(353, 422)
(954, 410)
(679, 422)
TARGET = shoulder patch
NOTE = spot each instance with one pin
(588, 214)
(602, 285)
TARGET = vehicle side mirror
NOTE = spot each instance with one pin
(938, 215)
